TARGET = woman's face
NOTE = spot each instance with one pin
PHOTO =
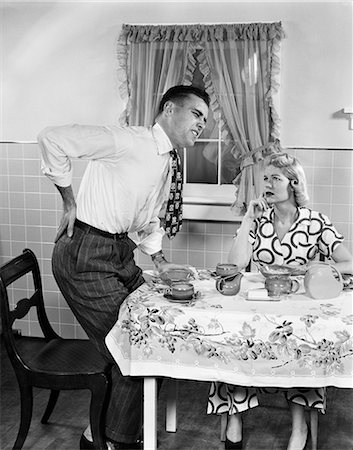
(277, 187)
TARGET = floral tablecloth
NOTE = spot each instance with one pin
(297, 341)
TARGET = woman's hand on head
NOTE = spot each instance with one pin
(256, 208)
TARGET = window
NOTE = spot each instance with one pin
(237, 64)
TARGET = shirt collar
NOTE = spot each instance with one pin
(303, 213)
(162, 140)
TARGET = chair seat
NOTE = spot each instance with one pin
(68, 356)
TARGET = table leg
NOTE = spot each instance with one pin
(150, 413)
(171, 409)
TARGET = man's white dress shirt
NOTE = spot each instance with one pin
(126, 181)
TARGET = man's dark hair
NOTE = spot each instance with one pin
(180, 93)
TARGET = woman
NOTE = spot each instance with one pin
(278, 229)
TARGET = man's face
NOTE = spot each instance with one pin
(187, 121)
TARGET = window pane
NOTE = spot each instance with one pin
(230, 165)
(201, 163)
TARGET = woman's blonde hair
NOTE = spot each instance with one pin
(293, 170)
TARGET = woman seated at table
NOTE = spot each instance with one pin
(278, 229)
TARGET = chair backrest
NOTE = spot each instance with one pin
(19, 267)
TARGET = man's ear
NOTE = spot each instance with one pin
(168, 107)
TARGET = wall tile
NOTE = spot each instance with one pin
(48, 233)
(16, 184)
(48, 218)
(18, 233)
(17, 216)
(323, 175)
(5, 216)
(340, 212)
(212, 258)
(32, 184)
(196, 241)
(53, 314)
(196, 259)
(342, 176)
(325, 208)
(31, 167)
(305, 156)
(343, 158)
(5, 250)
(342, 195)
(69, 331)
(33, 217)
(66, 316)
(34, 234)
(4, 183)
(15, 151)
(321, 194)
(213, 242)
(15, 167)
(35, 329)
(323, 158)
(80, 333)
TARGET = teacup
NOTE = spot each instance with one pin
(226, 269)
(281, 285)
(180, 290)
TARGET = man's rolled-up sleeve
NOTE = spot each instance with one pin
(60, 144)
(149, 240)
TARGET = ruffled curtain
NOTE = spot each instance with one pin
(240, 68)
(151, 60)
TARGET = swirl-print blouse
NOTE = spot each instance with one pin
(311, 233)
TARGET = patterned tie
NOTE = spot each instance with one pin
(174, 210)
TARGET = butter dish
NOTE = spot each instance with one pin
(260, 294)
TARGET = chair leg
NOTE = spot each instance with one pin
(54, 394)
(314, 422)
(98, 400)
(26, 393)
(224, 420)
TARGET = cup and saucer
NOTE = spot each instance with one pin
(181, 292)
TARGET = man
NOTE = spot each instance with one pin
(123, 189)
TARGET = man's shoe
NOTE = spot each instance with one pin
(126, 446)
(85, 444)
(229, 445)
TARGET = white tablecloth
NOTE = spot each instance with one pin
(297, 341)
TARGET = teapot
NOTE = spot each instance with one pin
(323, 281)
(229, 285)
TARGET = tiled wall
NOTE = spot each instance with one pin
(30, 210)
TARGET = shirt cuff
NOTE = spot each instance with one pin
(62, 180)
(150, 244)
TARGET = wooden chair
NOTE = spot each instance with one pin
(49, 362)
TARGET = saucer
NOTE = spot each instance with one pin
(194, 296)
(178, 300)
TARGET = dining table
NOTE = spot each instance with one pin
(242, 339)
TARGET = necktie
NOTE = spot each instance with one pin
(174, 210)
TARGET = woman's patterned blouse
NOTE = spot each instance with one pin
(312, 232)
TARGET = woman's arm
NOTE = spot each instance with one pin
(343, 259)
(241, 249)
